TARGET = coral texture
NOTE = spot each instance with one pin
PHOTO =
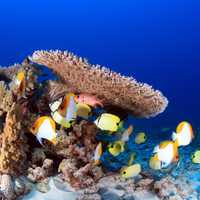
(36, 173)
(114, 89)
(77, 147)
(171, 188)
(7, 73)
(14, 147)
(6, 98)
(7, 187)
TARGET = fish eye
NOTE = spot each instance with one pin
(112, 146)
(193, 156)
(124, 172)
(118, 124)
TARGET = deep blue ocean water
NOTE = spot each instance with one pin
(156, 42)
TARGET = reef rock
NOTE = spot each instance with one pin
(39, 173)
(171, 188)
(7, 187)
(13, 158)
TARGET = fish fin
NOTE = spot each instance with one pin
(39, 140)
(174, 136)
(156, 149)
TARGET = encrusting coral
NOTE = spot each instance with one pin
(114, 89)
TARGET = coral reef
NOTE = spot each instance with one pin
(24, 161)
(7, 187)
(124, 92)
(36, 174)
(171, 188)
(78, 149)
(13, 145)
(114, 187)
(8, 73)
(6, 98)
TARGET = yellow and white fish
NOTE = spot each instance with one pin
(126, 134)
(83, 110)
(131, 171)
(66, 113)
(196, 157)
(154, 162)
(140, 138)
(118, 147)
(45, 128)
(55, 105)
(166, 152)
(20, 82)
(108, 122)
(97, 154)
(184, 134)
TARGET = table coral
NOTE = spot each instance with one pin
(139, 99)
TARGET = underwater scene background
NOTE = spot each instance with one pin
(156, 42)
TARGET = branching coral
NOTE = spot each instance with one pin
(81, 77)
(13, 149)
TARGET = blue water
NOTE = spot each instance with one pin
(155, 41)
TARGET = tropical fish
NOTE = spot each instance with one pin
(131, 171)
(184, 134)
(44, 128)
(55, 105)
(196, 157)
(66, 112)
(89, 100)
(166, 152)
(140, 138)
(108, 122)
(97, 154)
(132, 158)
(126, 134)
(118, 146)
(83, 110)
(20, 82)
(154, 162)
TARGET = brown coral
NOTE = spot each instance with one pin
(77, 147)
(81, 77)
(7, 187)
(7, 73)
(13, 148)
(6, 98)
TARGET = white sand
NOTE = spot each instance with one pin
(53, 194)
